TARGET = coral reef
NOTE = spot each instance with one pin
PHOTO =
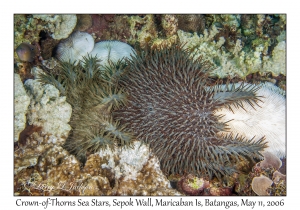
(110, 172)
(142, 30)
(60, 26)
(103, 154)
(170, 25)
(24, 32)
(191, 23)
(276, 64)
(48, 110)
(264, 179)
(270, 160)
(170, 108)
(21, 102)
(100, 26)
(118, 29)
(267, 119)
(237, 62)
(48, 116)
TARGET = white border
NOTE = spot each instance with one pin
(152, 6)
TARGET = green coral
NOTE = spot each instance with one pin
(195, 183)
(142, 30)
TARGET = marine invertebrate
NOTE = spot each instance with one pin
(277, 177)
(192, 185)
(109, 172)
(261, 184)
(270, 160)
(81, 44)
(191, 22)
(170, 108)
(26, 52)
(238, 59)
(77, 45)
(111, 51)
(142, 30)
(48, 109)
(93, 94)
(84, 22)
(170, 24)
(267, 120)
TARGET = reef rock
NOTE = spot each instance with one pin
(61, 26)
(48, 110)
(21, 101)
(48, 116)
(130, 171)
(137, 171)
(237, 62)
(276, 64)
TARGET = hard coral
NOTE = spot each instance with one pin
(267, 120)
(192, 185)
(191, 23)
(170, 108)
(84, 22)
(260, 185)
(270, 160)
(21, 102)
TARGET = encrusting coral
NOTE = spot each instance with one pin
(125, 171)
(48, 115)
(21, 101)
(239, 60)
(261, 184)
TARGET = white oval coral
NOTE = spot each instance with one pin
(77, 45)
(112, 51)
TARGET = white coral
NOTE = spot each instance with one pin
(48, 110)
(61, 26)
(21, 101)
(276, 64)
(267, 121)
(236, 63)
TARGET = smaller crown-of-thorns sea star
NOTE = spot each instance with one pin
(171, 107)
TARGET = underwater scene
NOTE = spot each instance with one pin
(150, 104)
